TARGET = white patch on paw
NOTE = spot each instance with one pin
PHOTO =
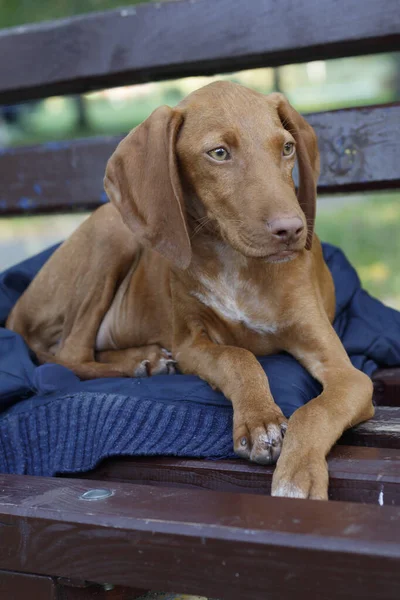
(165, 366)
(265, 439)
(289, 490)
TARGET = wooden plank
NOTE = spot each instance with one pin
(191, 37)
(356, 474)
(54, 177)
(387, 387)
(382, 431)
(359, 149)
(217, 544)
(20, 586)
(68, 589)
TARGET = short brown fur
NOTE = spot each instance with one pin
(200, 256)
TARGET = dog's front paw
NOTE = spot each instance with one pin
(259, 439)
(301, 477)
(158, 362)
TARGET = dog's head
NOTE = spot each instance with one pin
(224, 155)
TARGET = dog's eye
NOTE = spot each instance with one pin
(288, 149)
(219, 154)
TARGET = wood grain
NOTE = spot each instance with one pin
(381, 431)
(387, 387)
(22, 586)
(359, 150)
(216, 544)
(192, 37)
(85, 590)
(19, 586)
(356, 474)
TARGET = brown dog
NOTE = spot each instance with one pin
(205, 250)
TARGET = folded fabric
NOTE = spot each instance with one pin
(52, 422)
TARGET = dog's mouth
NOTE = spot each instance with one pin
(251, 250)
(282, 257)
(248, 247)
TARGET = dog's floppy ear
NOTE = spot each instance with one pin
(142, 181)
(307, 157)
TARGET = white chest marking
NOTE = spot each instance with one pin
(235, 300)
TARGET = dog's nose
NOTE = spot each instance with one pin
(286, 229)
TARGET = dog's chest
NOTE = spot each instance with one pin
(238, 300)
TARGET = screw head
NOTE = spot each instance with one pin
(96, 494)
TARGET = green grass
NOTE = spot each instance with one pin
(367, 230)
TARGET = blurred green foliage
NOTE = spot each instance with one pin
(18, 12)
(366, 227)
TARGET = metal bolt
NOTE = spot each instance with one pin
(97, 494)
(108, 587)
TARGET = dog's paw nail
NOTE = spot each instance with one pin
(170, 364)
(143, 370)
(266, 442)
(243, 447)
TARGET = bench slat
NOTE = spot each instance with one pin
(18, 586)
(382, 431)
(359, 150)
(191, 37)
(387, 387)
(217, 544)
(22, 586)
(356, 474)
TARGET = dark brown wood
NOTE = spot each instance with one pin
(74, 590)
(218, 544)
(356, 474)
(387, 387)
(359, 150)
(382, 431)
(192, 37)
(19, 586)
(54, 177)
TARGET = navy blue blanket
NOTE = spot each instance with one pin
(53, 423)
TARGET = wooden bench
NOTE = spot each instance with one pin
(189, 525)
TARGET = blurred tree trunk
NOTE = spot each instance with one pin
(397, 77)
(80, 103)
(277, 79)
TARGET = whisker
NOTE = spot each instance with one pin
(201, 224)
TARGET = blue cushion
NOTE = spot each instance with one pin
(52, 422)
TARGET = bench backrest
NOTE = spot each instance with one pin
(359, 146)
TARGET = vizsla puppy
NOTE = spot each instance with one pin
(205, 250)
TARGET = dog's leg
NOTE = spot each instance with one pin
(83, 315)
(346, 400)
(130, 362)
(140, 362)
(258, 423)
